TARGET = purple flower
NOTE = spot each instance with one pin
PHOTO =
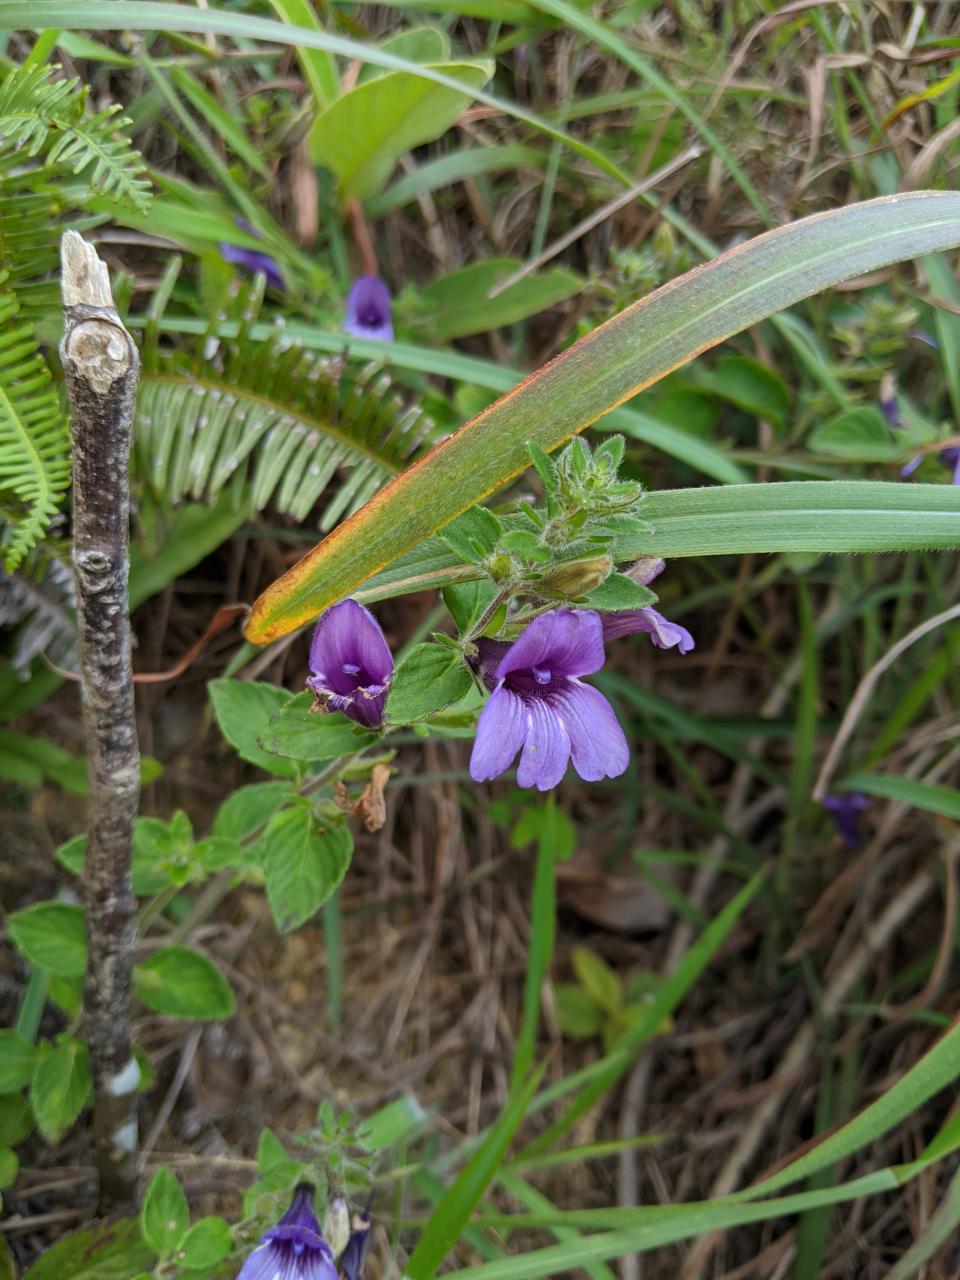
(252, 259)
(540, 705)
(351, 1261)
(663, 633)
(294, 1249)
(351, 663)
(845, 810)
(368, 310)
(950, 457)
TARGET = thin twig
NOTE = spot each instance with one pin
(101, 367)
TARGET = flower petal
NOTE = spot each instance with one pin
(253, 260)
(664, 633)
(349, 635)
(597, 743)
(564, 642)
(546, 746)
(368, 310)
(500, 735)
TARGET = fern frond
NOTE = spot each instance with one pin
(40, 117)
(34, 448)
(40, 602)
(281, 421)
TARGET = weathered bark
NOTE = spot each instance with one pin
(101, 367)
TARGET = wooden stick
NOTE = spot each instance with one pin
(101, 367)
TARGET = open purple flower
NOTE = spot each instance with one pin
(663, 633)
(845, 809)
(540, 706)
(351, 1260)
(368, 310)
(351, 663)
(294, 1249)
(253, 260)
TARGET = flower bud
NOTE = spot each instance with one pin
(646, 569)
(573, 578)
(336, 1225)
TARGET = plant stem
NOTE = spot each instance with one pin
(101, 367)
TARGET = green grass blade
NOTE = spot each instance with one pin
(918, 795)
(634, 349)
(673, 989)
(453, 1212)
(803, 515)
(604, 35)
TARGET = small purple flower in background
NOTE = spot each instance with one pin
(294, 1249)
(351, 1261)
(351, 663)
(663, 633)
(539, 705)
(845, 810)
(368, 310)
(950, 457)
(252, 259)
(889, 406)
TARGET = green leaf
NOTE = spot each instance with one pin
(9, 1168)
(110, 1251)
(859, 435)
(457, 304)
(249, 807)
(597, 979)
(67, 993)
(18, 1057)
(631, 351)
(467, 601)
(430, 678)
(52, 935)
(182, 983)
(577, 1014)
(473, 535)
(61, 1086)
(300, 732)
(165, 1215)
(918, 795)
(416, 44)
(15, 1122)
(548, 824)
(362, 134)
(244, 709)
(620, 592)
(270, 1151)
(205, 1244)
(217, 852)
(393, 1124)
(303, 866)
(749, 385)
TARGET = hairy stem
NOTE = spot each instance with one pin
(101, 367)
